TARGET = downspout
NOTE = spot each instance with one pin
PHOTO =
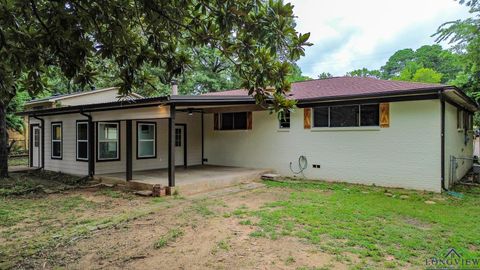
(42, 123)
(442, 138)
(91, 145)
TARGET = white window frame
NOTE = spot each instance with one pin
(117, 141)
(57, 140)
(79, 141)
(286, 118)
(154, 140)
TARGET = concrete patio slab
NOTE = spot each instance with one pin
(191, 180)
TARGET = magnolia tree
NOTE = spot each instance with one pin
(257, 36)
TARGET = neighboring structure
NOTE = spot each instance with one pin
(61, 100)
(358, 130)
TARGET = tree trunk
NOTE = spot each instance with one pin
(3, 141)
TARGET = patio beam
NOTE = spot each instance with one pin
(129, 163)
(171, 147)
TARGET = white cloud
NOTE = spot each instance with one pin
(353, 34)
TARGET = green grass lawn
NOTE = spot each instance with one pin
(362, 227)
(18, 161)
(382, 229)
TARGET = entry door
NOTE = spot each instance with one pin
(36, 144)
(179, 145)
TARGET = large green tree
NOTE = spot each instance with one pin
(258, 37)
(397, 62)
(428, 56)
(464, 35)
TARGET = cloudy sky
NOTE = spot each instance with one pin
(351, 34)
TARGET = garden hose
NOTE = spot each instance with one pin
(302, 165)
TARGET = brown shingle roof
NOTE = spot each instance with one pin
(343, 86)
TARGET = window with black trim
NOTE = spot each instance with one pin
(108, 141)
(82, 140)
(232, 121)
(464, 120)
(57, 131)
(460, 118)
(347, 116)
(146, 140)
(284, 120)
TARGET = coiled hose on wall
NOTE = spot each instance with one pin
(302, 165)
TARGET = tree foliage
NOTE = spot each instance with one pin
(296, 75)
(433, 57)
(257, 37)
(397, 62)
(364, 72)
(433, 63)
(464, 35)
(325, 75)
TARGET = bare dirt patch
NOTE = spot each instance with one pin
(206, 236)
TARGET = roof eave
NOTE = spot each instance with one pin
(177, 100)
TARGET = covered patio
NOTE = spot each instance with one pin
(190, 180)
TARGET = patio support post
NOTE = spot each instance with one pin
(203, 139)
(171, 147)
(129, 173)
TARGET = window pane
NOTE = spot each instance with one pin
(227, 121)
(178, 137)
(285, 119)
(56, 149)
(146, 132)
(82, 133)
(107, 131)
(320, 117)
(240, 120)
(82, 150)
(57, 132)
(36, 137)
(369, 115)
(108, 150)
(344, 116)
(146, 149)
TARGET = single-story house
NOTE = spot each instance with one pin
(350, 129)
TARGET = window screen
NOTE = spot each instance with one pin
(320, 117)
(230, 121)
(344, 116)
(370, 115)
